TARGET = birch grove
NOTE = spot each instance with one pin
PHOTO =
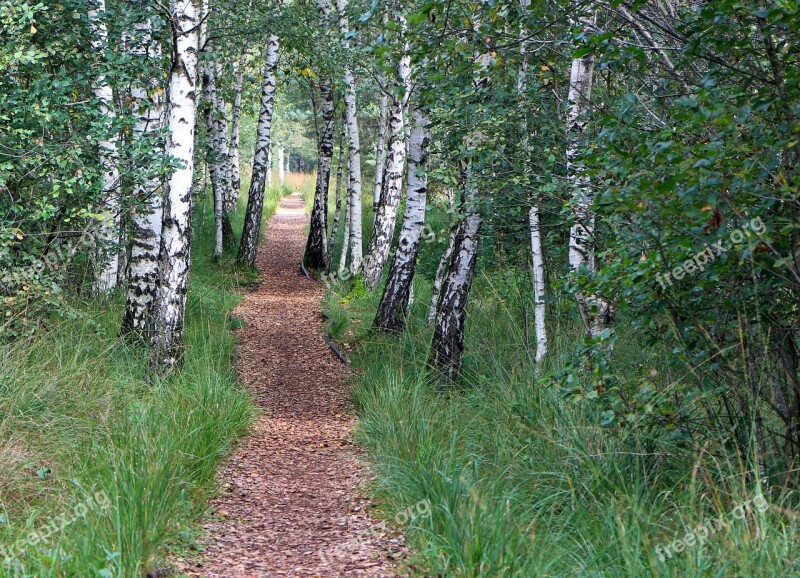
(174, 260)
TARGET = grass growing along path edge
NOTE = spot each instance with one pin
(102, 473)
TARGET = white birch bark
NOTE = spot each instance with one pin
(340, 175)
(397, 294)
(447, 347)
(216, 158)
(108, 231)
(281, 166)
(354, 149)
(386, 215)
(148, 109)
(537, 249)
(596, 312)
(269, 168)
(315, 251)
(255, 198)
(441, 270)
(236, 113)
(169, 306)
(380, 150)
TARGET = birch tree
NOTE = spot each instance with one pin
(397, 293)
(145, 235)
(169, 305)
(236, 113)
(340, 175)
(354, 147)
(107, 237)
(447, 347)
(596, 312)
(255, 198)
(537, 249)
(281, 166)
(386, 215)
(316, 252)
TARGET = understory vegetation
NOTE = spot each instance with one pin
(102, 470)
(524, 481)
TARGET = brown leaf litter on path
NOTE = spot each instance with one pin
(290, 505)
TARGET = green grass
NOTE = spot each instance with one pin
(524, 483)
(78, 418)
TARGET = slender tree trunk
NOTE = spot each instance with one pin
(108, 233)
(236, 113)
(148, 109)
(380, 151)
(537, 248)
(354, 159)
(316, 252)
(269, 168)
(255, 198)
(441, 271)
(397, 293)
(169, 306)
(336, 213)
(447, 347)
(281, 166)
(448, 335)
(597, 313)
(345, 239)
(386, 216)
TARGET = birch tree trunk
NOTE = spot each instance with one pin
(269, 168)
(145, 236)
(397, 293)
(380, 151)
(255, 198)
(596, 312)
(108, 233)
(354, 149)
(537, 249)
(217, 157)
(281, 172)
(441, 271)
(236, 113)
(169, 306)
(448, 335)
(386, 216)
(335, 227)
(447, 348)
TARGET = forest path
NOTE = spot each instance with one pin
(290, 505)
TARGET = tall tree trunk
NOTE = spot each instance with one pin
(397, 293)
(345, 239)
(339, 182)
(386, 216)
(354, 147)
(316, 252)
(148, 109)
(169, 306)
(537, 249)
(447, 347)
(217, 153)
(597, 313)
(281, 166)
(255, 197)
(448, 335)
(380, 151)
(236, 113)
(108, 233)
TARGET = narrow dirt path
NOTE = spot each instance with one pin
(291, 505)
